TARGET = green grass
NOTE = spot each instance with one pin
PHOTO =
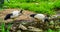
(40, 8)
(44, 6)
(3, 27)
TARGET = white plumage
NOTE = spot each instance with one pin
(41, 17)
(13, 14)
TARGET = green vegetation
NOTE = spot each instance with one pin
(2, 27)
(38, 6)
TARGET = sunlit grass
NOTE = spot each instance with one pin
(3, 27)
(43, 6)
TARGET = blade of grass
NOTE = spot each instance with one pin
(2, 26)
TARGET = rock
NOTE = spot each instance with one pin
(22, 27)
(24, 22)
(14, 27)
(52, 22)
(57, 26)
(19, 31)
(51, 26)
(30, 28)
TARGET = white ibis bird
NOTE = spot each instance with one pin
(41, 17)
(13, 14)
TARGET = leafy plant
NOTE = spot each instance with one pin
(3, 27)
(50, 30)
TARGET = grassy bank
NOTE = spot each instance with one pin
(38, 6)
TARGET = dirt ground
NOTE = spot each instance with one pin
(24, 16)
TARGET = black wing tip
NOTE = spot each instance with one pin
(5, 19)
(32, 15)
(7, 16)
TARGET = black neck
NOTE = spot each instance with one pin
(32, 15)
